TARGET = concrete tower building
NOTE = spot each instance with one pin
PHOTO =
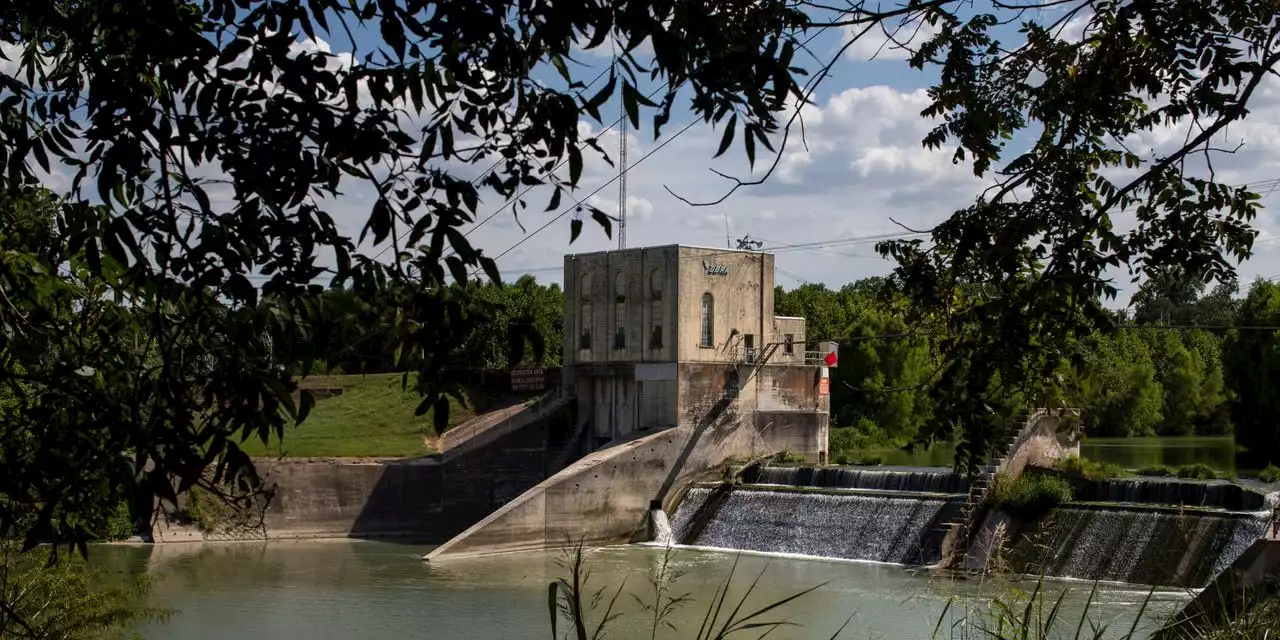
(659, 337)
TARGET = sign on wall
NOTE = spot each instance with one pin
(714, 269)
(528, 379)
(824, 387)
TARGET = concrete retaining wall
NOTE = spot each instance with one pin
(605, 497)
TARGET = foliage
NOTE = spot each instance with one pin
(867, 461)
(1270, 474)
(1119, 394)
(153, 325)
(67, 600)
(1012, 282)
(786, 457)
(1252, 363)
(121, 525)
(1157, 471)
(1089, 469)
(879, 386)
(373, 417)
(1031, 496)
(1196, 471)
(570, 599)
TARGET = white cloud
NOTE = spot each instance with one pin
(888, 42)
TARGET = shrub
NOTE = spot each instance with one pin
(1031, 496)
(120, 526)
(1270, 474)
(1157, 471)
(842, 459)
(868, 461)
(1089, 469)
(789, 457)
(1197, 471)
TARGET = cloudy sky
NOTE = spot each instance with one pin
(859, 164)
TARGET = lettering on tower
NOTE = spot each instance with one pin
(714, 269)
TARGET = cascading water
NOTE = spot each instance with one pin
(898, 529)
(660, 528)
(1216, 494)
(918, 480)
(1143, 546)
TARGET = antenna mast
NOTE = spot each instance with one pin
(622, 179)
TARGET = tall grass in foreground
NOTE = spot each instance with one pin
(589, 613)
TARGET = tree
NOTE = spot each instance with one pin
(1253, 367)
(207, 144)
(1119, 394)
(1047, 119)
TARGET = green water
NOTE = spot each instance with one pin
(1217, 452)
(346, 590)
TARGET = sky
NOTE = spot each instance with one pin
(857, 169)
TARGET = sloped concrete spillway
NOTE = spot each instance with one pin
(814, 515)
(1163, 546)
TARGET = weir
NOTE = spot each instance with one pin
(883, 479)
(900, 528)
(1217, 494)
(1163, 546)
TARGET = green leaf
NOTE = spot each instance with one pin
(631, 104)
(727, 138)
(575, 229)
(575, 165)
(604, 220)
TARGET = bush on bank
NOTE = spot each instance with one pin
(1031, 496)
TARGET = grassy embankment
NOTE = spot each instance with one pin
(373, 417)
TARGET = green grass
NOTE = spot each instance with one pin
(372, 418)
(1089, 469)
(1197, 471)
(1157, 471)
(1270, 474)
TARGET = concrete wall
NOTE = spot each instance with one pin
(605, 497)
(742, 300)
(637, 286)
(1052, 435)
(423, 499)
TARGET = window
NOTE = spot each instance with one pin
(788, 343)
(620, 311)
(748, 348)
(708, 316)
(584, 313)
(655, 319)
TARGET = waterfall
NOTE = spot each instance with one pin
(932, 481)
(1141, 546)
(660, 528)
(902, 530)
(1218, 494)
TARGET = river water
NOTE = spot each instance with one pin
(348, 590)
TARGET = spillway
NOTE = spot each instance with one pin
(901, 528)
(879, 479)
(1134, 545)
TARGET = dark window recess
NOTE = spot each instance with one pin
(788, 344)
(749, 348)
(584, 342)
(655, 339)
(620, 339)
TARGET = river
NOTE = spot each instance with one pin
(348, 590)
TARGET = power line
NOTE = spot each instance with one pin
(578, 204)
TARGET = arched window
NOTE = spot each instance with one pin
(619, 311)
(655, 289)
(584, 313)
(708, 317)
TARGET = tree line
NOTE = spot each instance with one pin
(1181, 361)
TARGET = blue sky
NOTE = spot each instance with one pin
(860, 164)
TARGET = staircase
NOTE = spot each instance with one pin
(484, 429)
(961, 530)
